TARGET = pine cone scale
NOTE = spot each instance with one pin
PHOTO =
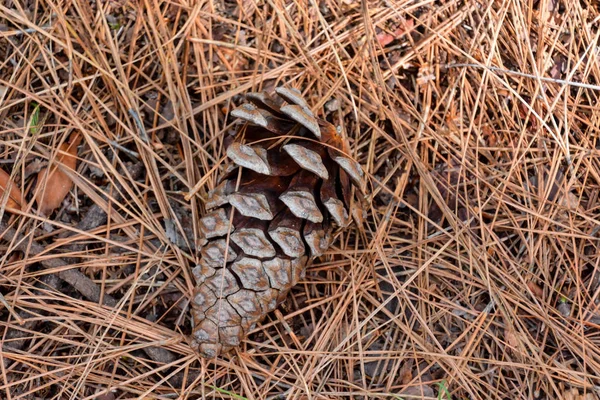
(253, 242)
(286, 230)
(220, 195)
(215, 224)
(255, 205)
(308, 159)
(304, 117)
(292, 96)
(253, 158)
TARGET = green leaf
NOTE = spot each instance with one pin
(563, 299)
(443, 390)
(227, 392)
(34, 120)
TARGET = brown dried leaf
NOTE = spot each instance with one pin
(419, 392)
(426, 74)
(511, 339)
(536, 290)
(54, 185)
(385, 38)
(573, 394)
(406, 371)
(569, 200)
(34, 167)
(15, 197)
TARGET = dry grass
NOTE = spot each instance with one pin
(474, 275)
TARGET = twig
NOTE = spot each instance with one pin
(131, 153)
(79, 281)
(96, 216)
(140, 125)
(525, 75)
(11, 310)
(24, 31)
(14, 339)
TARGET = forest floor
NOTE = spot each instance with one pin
(474, 274)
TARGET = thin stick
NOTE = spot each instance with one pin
(524, 75)
(11, 310)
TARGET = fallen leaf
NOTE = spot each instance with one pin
(420, 392)
(573, 394)
(34, 120)
(557, 69)
(385, 38)
(569, 200)
(405, 373)
(489, 136)
(511, 338)
(15, 197)
(54, 185)
(536, 289)
(168, 111)
(34, 167)
(425, 74)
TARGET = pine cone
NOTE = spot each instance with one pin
(267, 219)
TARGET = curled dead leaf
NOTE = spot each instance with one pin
(15, 199)
(53, 184)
